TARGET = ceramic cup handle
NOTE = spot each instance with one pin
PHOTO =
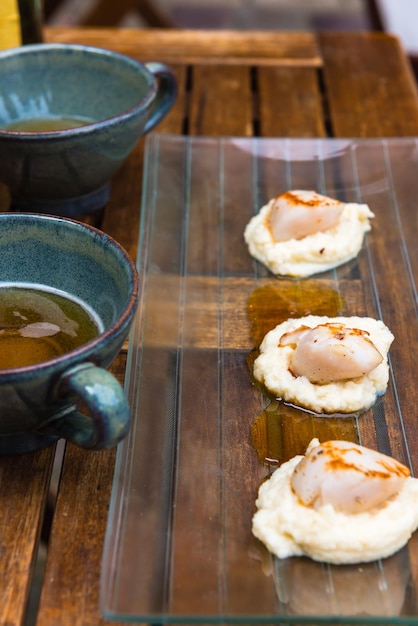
(109, 418)
(166, 93)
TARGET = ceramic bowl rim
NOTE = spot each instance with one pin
(73, 357)
(126, 114)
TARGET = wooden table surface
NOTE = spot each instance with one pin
(269, 84)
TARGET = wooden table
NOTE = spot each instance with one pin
(233, 84)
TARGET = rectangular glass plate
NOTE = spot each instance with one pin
(179, 546)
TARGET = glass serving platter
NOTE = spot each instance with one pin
(179, 546)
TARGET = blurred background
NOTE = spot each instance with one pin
(214, 14)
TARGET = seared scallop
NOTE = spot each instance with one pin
(347, 476)
(296, 214)
(331, 352)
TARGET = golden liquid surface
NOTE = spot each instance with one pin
(47, 124)
(37, 325)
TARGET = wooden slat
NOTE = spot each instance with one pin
(71, 592)
(221, 102)
(290, 102)
(369, 85)
(200, 47)
(24, 482)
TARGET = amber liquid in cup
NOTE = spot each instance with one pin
(41, 124)
(39, 324)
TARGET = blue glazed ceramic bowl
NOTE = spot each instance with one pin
(38, 403)
(110, 98)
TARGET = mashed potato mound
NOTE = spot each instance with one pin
(289, 528)
(314, 253)
(272, 368)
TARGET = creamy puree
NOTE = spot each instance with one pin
(272, 368)
(289, 528)
(314, 253)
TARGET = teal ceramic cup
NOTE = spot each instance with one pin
(41, 403)
(112, 99)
